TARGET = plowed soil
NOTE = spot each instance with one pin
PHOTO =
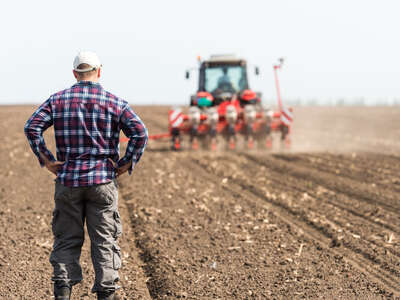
(319, 221)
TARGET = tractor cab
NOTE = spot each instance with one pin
(221, 78)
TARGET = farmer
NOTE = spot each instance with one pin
(87, 121)
(224, 80)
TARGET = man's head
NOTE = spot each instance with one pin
(87, 66)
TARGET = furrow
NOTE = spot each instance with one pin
(353, 189)
(355, 257)
(300, 185)
(327, 207)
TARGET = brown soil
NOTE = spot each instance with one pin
(320, 221)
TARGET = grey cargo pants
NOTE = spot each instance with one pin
(98, 206)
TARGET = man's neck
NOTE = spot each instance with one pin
(91, 79)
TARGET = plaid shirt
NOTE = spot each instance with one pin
(87, 122)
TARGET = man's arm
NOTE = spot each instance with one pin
(34, 128)
(136, 131)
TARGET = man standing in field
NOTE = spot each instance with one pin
(87, 121)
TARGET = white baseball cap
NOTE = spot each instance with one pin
(87, 57)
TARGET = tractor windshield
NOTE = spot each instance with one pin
(226, 78)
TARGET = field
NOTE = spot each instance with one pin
(321, 221)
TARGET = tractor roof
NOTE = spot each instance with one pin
(224, 59)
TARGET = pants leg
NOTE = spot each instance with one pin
(104, 227)
(68, 230)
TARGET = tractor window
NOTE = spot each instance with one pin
(226, 78)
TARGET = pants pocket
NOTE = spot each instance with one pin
(118, 225)
(116, 257)
(103, 194)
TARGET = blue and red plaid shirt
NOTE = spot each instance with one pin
(87, 122)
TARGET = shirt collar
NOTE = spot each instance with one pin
(85, 82)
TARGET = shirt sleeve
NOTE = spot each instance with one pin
(34, 128)
(136, 131)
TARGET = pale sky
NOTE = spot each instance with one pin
(341, 48)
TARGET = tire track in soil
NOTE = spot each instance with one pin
(369, 233)
(306, 174)
(157, 284)
(394, 157)
(394, 221)
(354, 168)
(358, 216)
(383, 277)
(145, 257)
(372, 159)
(373, 230)
(372, 258)
(293, 183)
(133, 282)
(352, 188)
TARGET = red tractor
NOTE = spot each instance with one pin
(225, 108)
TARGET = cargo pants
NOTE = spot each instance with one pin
(97, 206)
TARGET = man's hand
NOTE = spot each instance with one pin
(121, 170)
(52, 166)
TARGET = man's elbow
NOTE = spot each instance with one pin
(27, 128)
(146, 136)
(31, 132)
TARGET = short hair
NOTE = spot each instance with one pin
(87, 73)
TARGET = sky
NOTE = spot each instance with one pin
(332, 49)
